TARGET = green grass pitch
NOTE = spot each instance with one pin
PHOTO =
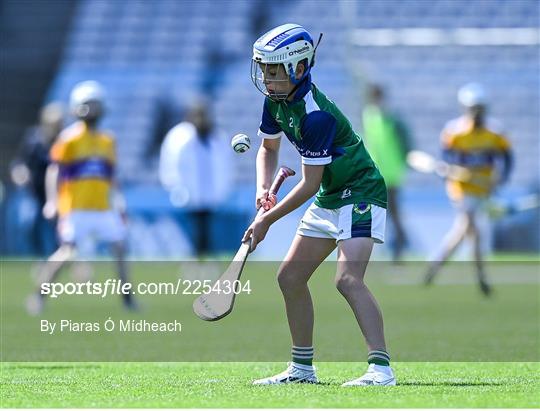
(447, 325)
(201, 385)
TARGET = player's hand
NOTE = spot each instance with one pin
(49, 210)
(265, 200)
(256, 231)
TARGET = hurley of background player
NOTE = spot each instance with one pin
(349, 211)
(476, 142)
(79, 188)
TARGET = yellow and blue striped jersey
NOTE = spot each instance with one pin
(478, 149)
(86, 160)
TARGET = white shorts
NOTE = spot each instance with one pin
(470, 204)
(350, 221)
(77, 226)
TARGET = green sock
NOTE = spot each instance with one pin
(378, 357)
(302, 355)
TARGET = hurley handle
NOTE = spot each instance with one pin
(282, 174)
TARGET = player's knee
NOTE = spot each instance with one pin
(347, 283)
(288, 281)
(66, 252)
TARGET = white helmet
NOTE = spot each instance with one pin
(288, 45)
(86, 91)
(472, 94)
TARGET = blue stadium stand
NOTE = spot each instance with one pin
(149, 52)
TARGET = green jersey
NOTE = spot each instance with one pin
(323, 136)
(387, 142)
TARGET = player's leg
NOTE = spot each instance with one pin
(353, 258)
(303, 258)
(395, 214)
(450, 244)
(48, 274)
(474, 233)
(359, 227)
(110, 228)
(70, 229)
(202, 224)
(309, 249)
(55, 262)
(118, 249)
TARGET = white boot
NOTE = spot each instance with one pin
(375, 375)
(295, 373)
(34, 304)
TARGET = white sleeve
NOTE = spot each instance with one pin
(320, 161)
(262, 134)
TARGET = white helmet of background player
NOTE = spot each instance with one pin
(288, 44)
(472, 95)
(87, 101)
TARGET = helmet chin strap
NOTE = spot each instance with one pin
(296, 87)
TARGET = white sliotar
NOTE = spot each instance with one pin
(240, 143)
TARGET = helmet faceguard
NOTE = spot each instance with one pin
(286, 45)
(473, 98)
(262, 78)
(87, 101)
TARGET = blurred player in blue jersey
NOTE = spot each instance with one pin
(33, 157)
(349, 211)
(476, 142)
(80, 189)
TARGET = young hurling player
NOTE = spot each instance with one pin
(349, 210)
(79, 185)
(477, 143)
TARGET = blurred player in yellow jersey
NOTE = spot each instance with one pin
(476, 142)
(80, 189)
